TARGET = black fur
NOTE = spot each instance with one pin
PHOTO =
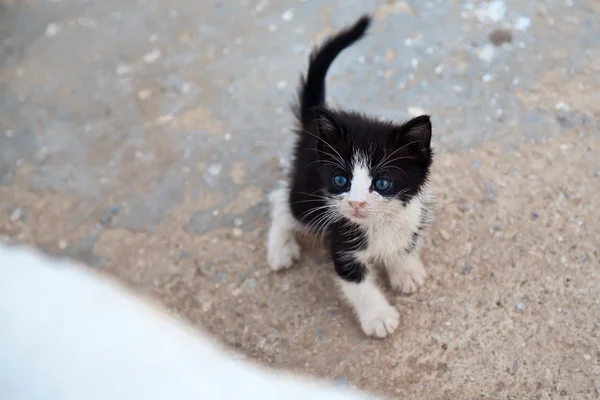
(345, 239)
(327, 141)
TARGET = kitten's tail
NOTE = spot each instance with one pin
(311, 91)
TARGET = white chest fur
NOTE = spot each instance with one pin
(388, 239)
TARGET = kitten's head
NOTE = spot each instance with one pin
(370, 169)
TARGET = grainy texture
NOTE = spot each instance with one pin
(141, 138)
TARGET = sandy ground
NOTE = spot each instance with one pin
(135, 162)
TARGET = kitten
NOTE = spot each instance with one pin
(362, 181)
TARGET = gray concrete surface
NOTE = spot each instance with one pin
(141, 138)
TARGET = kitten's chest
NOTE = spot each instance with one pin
(381, 243)
(391, 239)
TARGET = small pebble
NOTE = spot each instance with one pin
(445, 235)
(500, 36)
(17, 215)
(585, 257)
(467, 269)
(515, 367)
(522, 24)
(144, 94)
(152, 57)
(185, 88)
(123, 69)
(52, 30)
(237, 232)
(287, 15)
(215, 169)
(534, 216)
(486, 53)
(164, 119)
(587, 357)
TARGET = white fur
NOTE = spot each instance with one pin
(361, 182)
(70, 334)
(406, 273)
(282, 248)
(376, 316)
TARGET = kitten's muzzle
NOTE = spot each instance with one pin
(357, 205)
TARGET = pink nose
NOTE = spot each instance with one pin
(357, 205)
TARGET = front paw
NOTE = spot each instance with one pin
(380, 322)
(408, 277)
(281, 255)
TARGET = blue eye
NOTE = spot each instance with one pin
(381, 185)
(340, 181)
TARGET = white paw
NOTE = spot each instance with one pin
(409, 277)
(381, 322)
(283, 255)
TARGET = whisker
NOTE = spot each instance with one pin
(304, 215)
(394, 152)
(328, 145)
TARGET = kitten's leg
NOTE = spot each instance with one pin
(406, 272)
(376, 316)
(282, 247)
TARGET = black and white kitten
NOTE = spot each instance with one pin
(364, 182)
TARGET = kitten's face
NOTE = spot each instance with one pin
(360, 193)
(371, 169)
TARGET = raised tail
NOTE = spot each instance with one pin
(311, 92)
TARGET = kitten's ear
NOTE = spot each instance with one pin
(418, 132)
(329, 128)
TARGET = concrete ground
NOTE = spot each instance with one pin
(142, 137)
